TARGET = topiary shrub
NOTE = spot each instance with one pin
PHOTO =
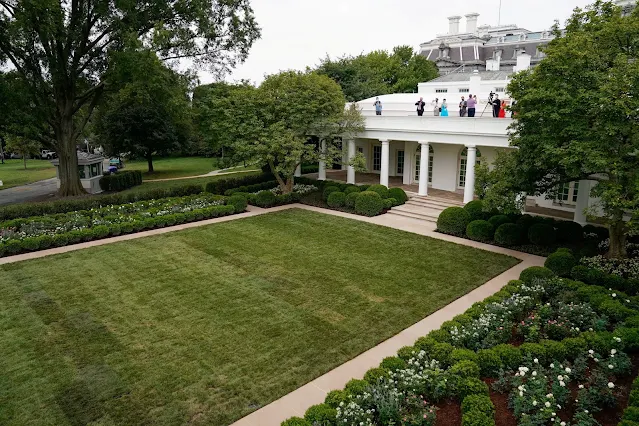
(554, 351)
(352, 189)
(374, 375)
(528, 275)
(509, 234)
(561, 263)
(265, 199)
(30, 244)
(369, 203)
(541, 234)
(380, 189)
(489, 362)
(45, 242)
(399, 194)
(574, 346)
(454, 221)
(328, 190)
(356, 387)
(363, 188)
(499, 220)
(465, 369)
(336, 199)
(442, 352)
(335, 397)
(477, 418)
(471, 386)
(388, 203)
(534, 350)
(322, 414)
(238, 202)
(480, 403)
(296, 421)
(351, 199)
(407, 352)
(61, 240)
(393, 363)
(569, 231)
(480, 230)
(463, 355)
(510, 355)
(475, 209)
(426, 344)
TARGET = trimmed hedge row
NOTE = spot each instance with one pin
(252, 188)
(121, 180)
(597, 277)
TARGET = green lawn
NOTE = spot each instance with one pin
(173, 167)
(205, 325)
(180, 182)
(12, 172)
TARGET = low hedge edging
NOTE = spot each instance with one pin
(121, 180)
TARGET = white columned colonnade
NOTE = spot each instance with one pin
(385, 166)
(469, 186)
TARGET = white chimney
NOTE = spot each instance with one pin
(523, 62)
(453, 24)
(493, 64)
(471, 22)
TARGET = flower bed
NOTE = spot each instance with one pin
(41, 232)
(269, 194)
(542, 351)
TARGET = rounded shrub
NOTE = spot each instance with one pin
(510, 355)
(369, 203)
(528, 275)
(554, 351)
(480, 403)
(374, 375)
(489, 362)
(336, 199)
(382, 190)
(569, 231)
(296, 421)
(463, 355)
(471, 386)
(238, 202)
(541, 234)
(352, 189)
(351, 199)
(363, 188)
(265, 199)
(393, 363)
(602, 233)
(561, 263)
(327, 191)
(407, 352)
(45, 242)
(575, 346)
(115, 229)
(533, 350)
(426, 344)
(465, 369)
(399, 194)
(335, 397)
(60, 240)
(477, 418)
(31, 244)
(526, 221)
(480, 230)
(356, 387)
(442, 352)
(454, 221)
(508, 234)
(322, 414)
(388, 203)
(499, 220)
(475, 209)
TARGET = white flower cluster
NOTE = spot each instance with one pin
(297, 189)
(627, 268)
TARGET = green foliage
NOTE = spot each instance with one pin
(335, 397)
(541, 234)
(575, 346)
(631, 414)
(265, 199)
(374, 375)
(426, 344)
(352, 189)
(406, 352)
(499, 220)
(534, 350)
(569, 231)
(480, 230)
(463, 355)
(554, 351)
(478, 403)
(489, 362)
(465, 369)
(296, 421)
(356, 387)
(238, 202)
(351, 199)
(398, 194)
(328, 190)
(493, 185)
(477, 418)
(369, 203)
(561, 263)
(471, 386)
(121, 180)
(322, 414)
(528, 275)
(336, 199)
(388, 203)
(382, 190)
(393, 363)
(475, 209)
(453, 220)
(441, 352)
(508, 234)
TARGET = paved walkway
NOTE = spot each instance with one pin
(36, 191)
(209, 174)
(297, 402)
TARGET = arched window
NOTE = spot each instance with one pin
(463, 164)
(418, 156)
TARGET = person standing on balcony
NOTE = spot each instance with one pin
(502, 111)
(496, 103)
(420, 106)
(444, 109)
(472, 104)
(463, 107)
(436, 108)
(378, 106)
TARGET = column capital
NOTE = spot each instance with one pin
(423, 142)
(384, 141)
(471, 146)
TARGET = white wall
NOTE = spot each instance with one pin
(445, 166)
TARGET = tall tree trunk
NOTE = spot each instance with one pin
(289, 184)
(24, 160)
(617, 231)
(149, 160)
(70, 184)
(279, 179)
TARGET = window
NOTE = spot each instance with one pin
(400, 162)
(94, 170)
(360, 150)
(500, 89)
(575, 192)
(377, 158)
(462, 166)
(464, 90)
(81, 172)
(441, 90)
(430, 163)
(568, 193)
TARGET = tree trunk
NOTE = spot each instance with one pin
(70, 184)
(289, 184)
(24, 160)
(617, 248)
(149, 160)
(279, 179)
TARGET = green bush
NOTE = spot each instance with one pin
(499, 220)
(629, 338)
(335, 397)
(336, 199)
(634, 398)
(465, 369)
(399, 194)
(393, 363)
(632, 414)
(541, 234)
(579, 273)
(471, 386)
(374, 375)
(475, 209)
(454, 221)
(480, 230)
(238, 202)
(121, 180)
(363, 188)
(561, 263)
(45, 241)
(602, 233)
(296, 421)
(569, 231)
(489, 362)
(13, 247)
(554, 351)
(528, 275)
(31, 244)
(477, 418)
(220, 186)
(441, 335)
(533, 350)
(442, 352)
(369, 203)
(463, 355)
(574, 346)
(356, 387)
(328, 190)
(382, 190)
(511, 356)
(61, 240)
(426, 344)
(322, 414)
(480, 403)
(388, 203)
(509, 234)
(632, 321)
(407, 352)
(265, 199)
(351, 199)
(352, 189)
(615, 310)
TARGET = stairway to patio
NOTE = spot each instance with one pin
(422, 208)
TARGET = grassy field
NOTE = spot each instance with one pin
(168, 168)
(12, 172)
(180, 182)
(206, 325)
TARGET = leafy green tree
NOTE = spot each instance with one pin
(379, 72)
(23, 146)
(148, 111)
(493, 186)
(61, 48)
(577, 115)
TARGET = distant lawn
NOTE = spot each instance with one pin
(168, 168)
(195, 181)
(12, 172)
(206, 325)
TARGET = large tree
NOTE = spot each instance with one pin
(23, 146)
(146, 109)
(577, 114)
(379, 72)
(60, 48)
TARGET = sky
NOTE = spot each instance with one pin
(298, 33)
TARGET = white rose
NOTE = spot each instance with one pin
(536, 361)
(591, 352)
(611, 385)
(521, 393)
(568, 370)
(561, 383)
(535, 403)
(552, 365)
(534, 373)
(613, 351)
(563, 423)
(610, 366)
(547, 404)
(581, 386)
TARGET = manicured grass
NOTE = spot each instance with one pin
(173, 167)
(180, 182)
(12, 172)
(206, 325)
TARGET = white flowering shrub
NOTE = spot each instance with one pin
(297, 189)
(626, 268)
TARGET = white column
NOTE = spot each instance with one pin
(322, 163)
(408, 162)
(583, 197)
(471, 159)
(298, 170)
(383, 178)
(423, 168)
(350, 174)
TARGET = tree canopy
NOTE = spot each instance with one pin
(379, 72)
(577, 114)
(61, 51)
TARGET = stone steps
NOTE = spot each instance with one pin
(426, 209)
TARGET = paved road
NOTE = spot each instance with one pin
(37, 191)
